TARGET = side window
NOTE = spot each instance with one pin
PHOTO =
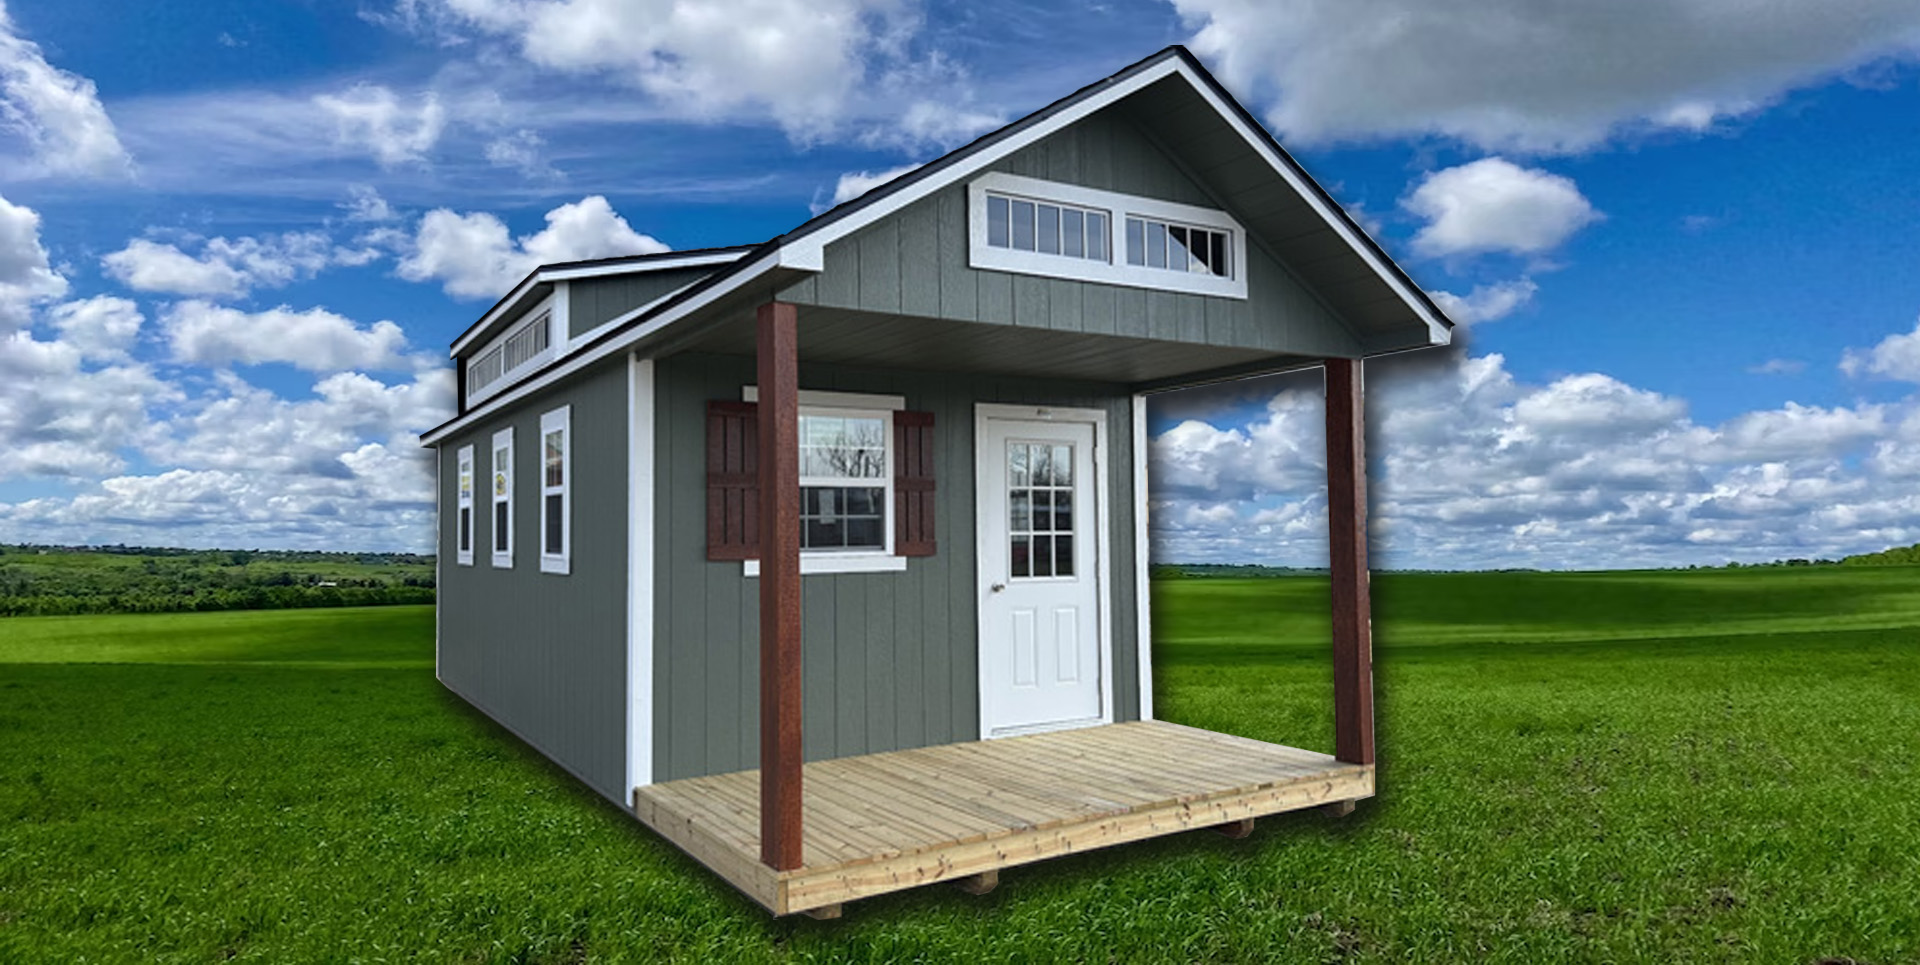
(463, 521)
(556, 479)
(503, 499)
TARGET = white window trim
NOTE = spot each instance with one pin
(1114, 271)
(857, 404)
(554, 308)
(562, 420)
(502, 559)
(463, 466)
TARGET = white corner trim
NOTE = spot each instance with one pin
(640, 556)
(1142, 560)
(984, 412)
(1114, 269)
(817, 563)
(440, 544)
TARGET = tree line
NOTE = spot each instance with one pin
(38, 580)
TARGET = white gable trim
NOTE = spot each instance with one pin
(807, 251)
(547, 276)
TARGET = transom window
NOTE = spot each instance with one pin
(1177, 247)
(522, 347)
(1053, 229)
(1040, 510)
(1020, 224)
(845, 476)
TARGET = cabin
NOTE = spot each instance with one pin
(826, 557)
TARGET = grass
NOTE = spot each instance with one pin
(1583, 767)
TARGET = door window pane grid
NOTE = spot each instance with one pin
(1040, 510)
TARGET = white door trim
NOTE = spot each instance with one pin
(983, 412)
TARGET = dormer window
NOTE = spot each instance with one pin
(1049, 228)
(1023, 224)
(521, 348)
(1159, 244)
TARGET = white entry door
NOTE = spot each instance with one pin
(1040, 619)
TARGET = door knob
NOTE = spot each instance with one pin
(997, 587)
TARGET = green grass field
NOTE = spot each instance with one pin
(1712, 766)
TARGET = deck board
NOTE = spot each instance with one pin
(884, 822)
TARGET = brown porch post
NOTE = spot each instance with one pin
(1347, 530)
(779, 418)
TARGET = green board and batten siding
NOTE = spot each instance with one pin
(890, 658)
(592, 302)
(546, 654)
(916, 262)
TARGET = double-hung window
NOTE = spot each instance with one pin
(503, 499)
(846, 480)
(847, 505)
(556, 476)
(463, 538)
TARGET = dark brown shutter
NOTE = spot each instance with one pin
(913, 484)
(733, 481)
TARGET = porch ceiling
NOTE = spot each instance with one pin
(907, 342)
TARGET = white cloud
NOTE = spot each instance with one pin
(794, 62)
(26, 276)
(856, 183)
(57, 418)
(364, 203)
(228, 268)
(1495, 205)
(56, 112)
(1474, 468)
(1778, 367)
(521, 150)
(103, 327)
(244, 467)
(934, 123)
(202, 333)
(1896, 357)
(372, 118)
(1486, 303)
(1525, 75)
(475, 257)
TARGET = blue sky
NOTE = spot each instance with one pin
(1682, 238)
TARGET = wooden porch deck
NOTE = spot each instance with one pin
(887, 822)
